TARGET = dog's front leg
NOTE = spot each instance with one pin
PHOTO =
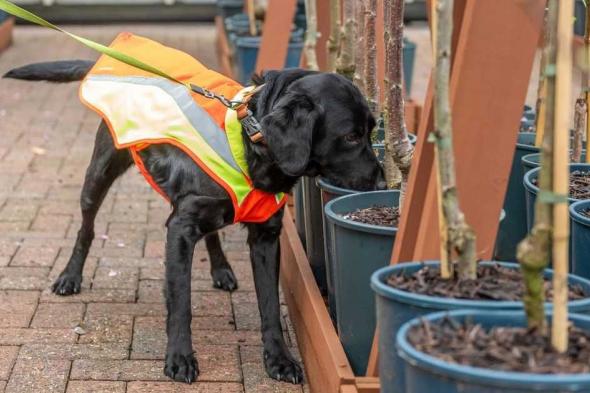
(265, 254)
(183, 233)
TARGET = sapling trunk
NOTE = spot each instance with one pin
(311, 35)
(579, 128)
(370, 63)
(252, 17)
(345, 64)
(398, 149)
(333, 43)
(461, 238)
(560, 236)
(533, 251)
(540, 105)
(361, 50)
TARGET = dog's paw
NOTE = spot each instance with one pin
(181, 368)
(225, 279)
(67, 284)
(283, 368)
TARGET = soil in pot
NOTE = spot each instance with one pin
(514, 349)
(586, 213)
(494, 282)
(386, 216)
(579, 184)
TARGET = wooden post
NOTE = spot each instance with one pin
(276, 34)
(485, 140)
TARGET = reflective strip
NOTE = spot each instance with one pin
(233, 129)
(140, 112)
(198, 117)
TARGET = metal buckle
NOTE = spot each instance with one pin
(252, 127)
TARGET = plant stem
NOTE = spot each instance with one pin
(461, 238)
(311, 35)
(398, 149)
(333, 43)
(345, 63)
(540, 105)
(533, 251)
(361, 50)
(561, 225)
(579, 128)
(370, 63)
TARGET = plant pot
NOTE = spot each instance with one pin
(227, 8)
(379, 148)
(329, 192)
(427, 374)
(532, 190)
(314, 233)
(395, 307)
(356, 250)
(514, 227)
(532, 161)
(579, 18)
(580, 239)
(247, 53)
(409, 58)
(299, 211)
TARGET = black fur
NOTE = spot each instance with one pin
(52, 71)
(313, 123)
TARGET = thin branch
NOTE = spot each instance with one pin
(370, 64)
(311, 35)
(345, 64)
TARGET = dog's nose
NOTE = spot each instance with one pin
(381, 185)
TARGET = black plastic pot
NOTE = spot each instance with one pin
(580, 238)
(514, 227)
(227, 8)
(357, 250)
(299, 212)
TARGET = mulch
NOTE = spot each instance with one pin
(493, 282)
(385, 216)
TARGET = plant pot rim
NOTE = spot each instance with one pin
(425, 301)
(525, 146)
(324, 185)
(528, 184)
(358, 226)
(478, 374)
(527, 159)
(575, 211)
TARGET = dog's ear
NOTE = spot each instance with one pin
(288, 130)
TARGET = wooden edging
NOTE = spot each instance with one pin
(6, 33)
(327, 368)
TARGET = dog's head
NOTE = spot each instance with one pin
(319, 124)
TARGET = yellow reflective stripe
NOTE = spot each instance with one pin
(143, 112)
(233, 130)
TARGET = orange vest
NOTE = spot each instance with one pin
(141, 109)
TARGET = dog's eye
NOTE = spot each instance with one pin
(353, 138)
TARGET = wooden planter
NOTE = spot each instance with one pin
(327, 368)
(6, 33)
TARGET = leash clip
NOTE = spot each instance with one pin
(251, 125)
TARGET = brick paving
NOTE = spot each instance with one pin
(46, 137)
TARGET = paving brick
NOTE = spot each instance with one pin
(115, 278)
(25, 278)
(107, 329)
(96, 387)
(75, 351)
(121, 370)
(52, 315)
(8, 355)
(35, 256)
(132, 262)
(91, 296)
(38, 375)
(135, 309)
(61, 262)
(17, 308)
(18, 336)
(175, 387)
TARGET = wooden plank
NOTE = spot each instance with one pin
(323, 11)
(327, 367)
(6, 33)
(368, 385)
(276, 34)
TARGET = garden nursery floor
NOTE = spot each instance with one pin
(46, 139)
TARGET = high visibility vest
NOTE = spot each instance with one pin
(141, 109)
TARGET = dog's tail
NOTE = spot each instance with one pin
(52, 71)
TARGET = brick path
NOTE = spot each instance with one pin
(46, 138)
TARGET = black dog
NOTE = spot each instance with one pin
(313, 123)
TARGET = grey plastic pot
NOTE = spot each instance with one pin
(514, 227)
(427, 374)
(395, 307)
(356, 251)
(299, 212)
(532, 161)
(580, 238)
(314, 231)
